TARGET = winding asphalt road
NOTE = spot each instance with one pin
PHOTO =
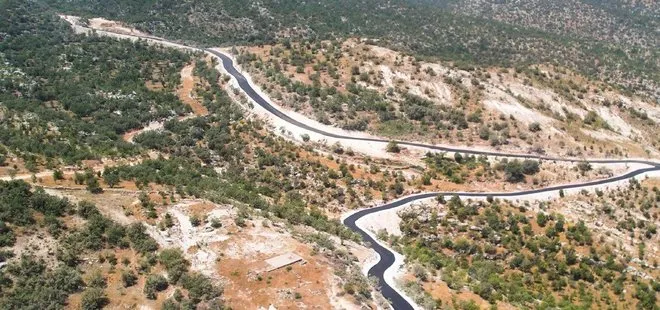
(387, 257)
(245, 86)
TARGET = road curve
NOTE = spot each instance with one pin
(246, 87)
(387, 257)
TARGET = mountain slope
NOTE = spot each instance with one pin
(463, 32)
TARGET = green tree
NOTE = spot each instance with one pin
(513, 171)
(584, 166)
(530, 167)
(7, 237)
(393, 147)
(174, 262)
(154, 284)
(199, 287)
(96, 280)
(541, 219)
(646, 296)
(534, 127)
(93, 185)
(128, 278)
(58, 175)
(93, 298)
(111, 179)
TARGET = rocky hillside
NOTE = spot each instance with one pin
(541, 109)
(607, 40)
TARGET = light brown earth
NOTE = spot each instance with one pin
(185, 92)
(505, 93)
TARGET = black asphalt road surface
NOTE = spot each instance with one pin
(386, 256)
(228, 64)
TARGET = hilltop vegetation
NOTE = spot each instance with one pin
(611, 42)
(616, 21)
(69, 97)
(56, 122)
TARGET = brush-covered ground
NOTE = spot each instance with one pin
(356, 85)
(592, 250)
(133, 176)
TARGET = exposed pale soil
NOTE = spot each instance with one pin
(505, 94)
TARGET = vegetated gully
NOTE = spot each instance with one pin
(387, 257)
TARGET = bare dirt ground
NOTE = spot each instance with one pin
(185, 91)
(231, 254)
(114, 26)
(234, 255)
(120, 297)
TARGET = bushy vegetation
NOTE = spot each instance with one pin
(495, 250)
(71, 97)
(460, 31)
(460, 167)
(153, 285)
(88, 118)
(358, 107)
(222, 157)
(30, 281)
